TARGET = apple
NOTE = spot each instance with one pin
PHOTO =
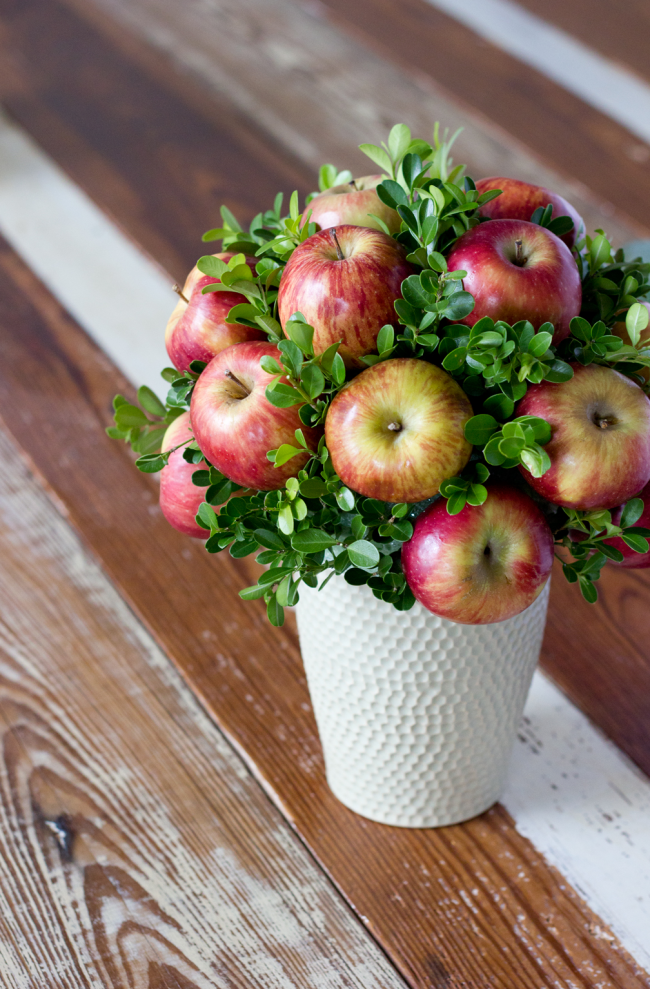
(519, 200)
(620, 330)
(483, 565)
(600, 442)
(179, 497)
(197, 328)
(344, 281)
(396, 431)
(234, 423)
(632, 560)
(518, 270)
(352, 203)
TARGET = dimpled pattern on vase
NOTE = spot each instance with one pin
(417, 714)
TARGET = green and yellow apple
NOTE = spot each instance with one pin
(396, 431)
(484, 564)
(600, 442)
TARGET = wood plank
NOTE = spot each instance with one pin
(153, 151)
(620, 31)
(468, 905)
(559, 127)
(320, 90)
(135, 848)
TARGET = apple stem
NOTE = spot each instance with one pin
(354, 185)
(232, 377)
(341, 255)
(179, 291)
(519, 254)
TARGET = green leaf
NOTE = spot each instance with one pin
(540, 344)
(313, 487)
(302, 334)
(345, 500)
(456, 502)
(455, 360)
(398, 141)
(283, 396)
(385, 338)
(130, 415)
(312, 541)
(600, 251)
(638, 543)
(477, 495)
(358, 527)
(275, 611)
(379, 156)
(589, 591)
(150, 401)
(392, 194)
(285, 453)
(459, 305)
(338, 370)
(356, 577)
(636, 321)
(535, 459)
(207, 517)
(511, 446)
(285, 520)
(479, 429)
(632, 512)
(312, 380)
(214, 267)
(363, 554)
(270, 365)
(271, 540)
(500, 406)
(151, 463)
(252, 593)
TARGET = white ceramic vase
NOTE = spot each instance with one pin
(417, 714)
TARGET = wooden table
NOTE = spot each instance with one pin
(165, 817)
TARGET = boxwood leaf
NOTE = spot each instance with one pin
(312, 541)
(363, 554)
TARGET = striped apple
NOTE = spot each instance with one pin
(344, 281)
(179, 497)
(519, 200)
(484, 564)
(600, 442)
(197, 328)
(355, 203)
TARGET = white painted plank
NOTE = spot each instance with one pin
(592, 77)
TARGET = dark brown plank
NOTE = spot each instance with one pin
(149, 147)
(557, 126)
(621, 31)
(471, 905)
(135, 849)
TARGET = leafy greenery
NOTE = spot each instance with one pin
(315, 527)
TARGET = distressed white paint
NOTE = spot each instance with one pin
(54, 226)
(592, 77)
(116, 293)
(586, 808)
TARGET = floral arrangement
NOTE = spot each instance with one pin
(421, 383)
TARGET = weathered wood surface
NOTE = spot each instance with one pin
(136, 850)
(154, 152)
(320, 89)
(471, 905)
(621, 31)
(562, 129)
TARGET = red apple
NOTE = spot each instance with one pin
(344, 281)
(179, 497)
(234, 423)
(397, 430)
(197, 328)
(353, 203)
(483, 565)
(632, 560)
(519, 200)
(518, 270)
(600, 443)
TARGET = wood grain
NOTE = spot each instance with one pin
(559, 127)
(472, 905)
(136, 850)
(290, 69)
(153, 151)
(620, 31)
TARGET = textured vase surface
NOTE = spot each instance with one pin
(417, 714)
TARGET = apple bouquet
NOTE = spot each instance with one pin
(421, 383)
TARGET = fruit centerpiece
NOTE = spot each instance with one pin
(420, 387)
